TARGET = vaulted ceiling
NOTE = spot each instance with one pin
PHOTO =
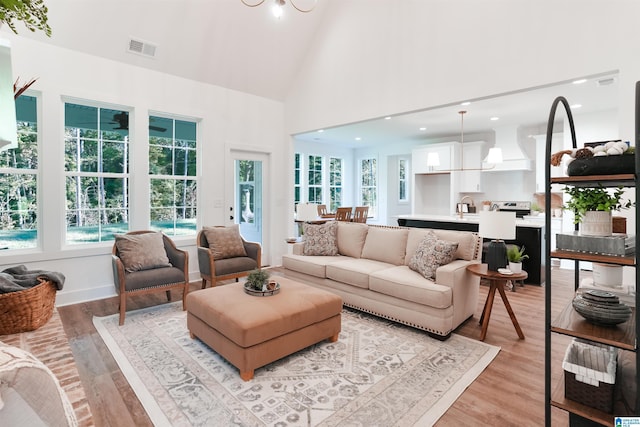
(221, 42)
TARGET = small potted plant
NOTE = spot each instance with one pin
(257, 280)
(592, 208)
(515, 256)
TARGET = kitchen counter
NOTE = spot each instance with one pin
(467, 218)
(529, 234)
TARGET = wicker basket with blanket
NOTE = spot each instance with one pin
(27, 298)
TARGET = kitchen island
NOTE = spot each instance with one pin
(529, 234)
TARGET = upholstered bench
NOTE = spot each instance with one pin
(250, 331)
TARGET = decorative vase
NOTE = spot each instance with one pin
(515, 267)
(596, 223)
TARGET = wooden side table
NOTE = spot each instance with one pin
(497, 281)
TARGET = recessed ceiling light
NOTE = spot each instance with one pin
(576, 106)
(388, 118)
(423, 128)
(580, 81)
(358, 138)
(320, 130)
(493, 119)
(465, 103)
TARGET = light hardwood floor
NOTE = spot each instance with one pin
(510, 392)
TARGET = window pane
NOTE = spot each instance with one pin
(18, 185)
(96, 144)
(172, 155)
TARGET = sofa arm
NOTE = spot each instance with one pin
(465, 288)
(454, 272)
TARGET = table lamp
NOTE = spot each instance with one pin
(498, 226)
(306, 212)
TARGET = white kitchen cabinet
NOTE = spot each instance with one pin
(470, 178)
(420, 154)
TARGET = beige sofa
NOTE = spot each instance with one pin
(371, 273)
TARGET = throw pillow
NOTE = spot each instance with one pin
(386, 245)
(225, 242)
(142, 251)
(431, 254)
(320, 239)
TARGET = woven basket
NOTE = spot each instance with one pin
(27, 310)
(590, 374)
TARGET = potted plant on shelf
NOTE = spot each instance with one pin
(515, 256)
(33, 13)
(592, 207)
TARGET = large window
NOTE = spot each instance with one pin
(368, 185)
(172, 169)
(297, 184)
(97, 173)
(315, 179)
(402, 180)
(335, 183)
(18, 182)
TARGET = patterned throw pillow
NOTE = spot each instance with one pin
(431, 254)
(320, 239)
(225, 242)
(141, 251)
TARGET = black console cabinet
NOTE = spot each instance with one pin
(532, 238)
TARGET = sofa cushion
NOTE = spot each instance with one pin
(431, 254)
(351, 237)
(466, 242)
(311, 265)
(386, 245)
(320, 239)
(225, 242)
(141, 251)
(354, 271)
(401, 282)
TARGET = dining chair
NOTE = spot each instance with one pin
(322, 212)
(343, 214)
(360, 214)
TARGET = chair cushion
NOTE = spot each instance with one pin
(351, 237)
(154, 278)
(235, 265)
(431, 254)
(225, 242)
(320, 239)
(386, 245)
(141, 251)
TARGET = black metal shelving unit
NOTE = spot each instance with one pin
(570, 323)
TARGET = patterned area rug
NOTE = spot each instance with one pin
(377, 373)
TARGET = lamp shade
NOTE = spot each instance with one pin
(306, 212)
(497, 225)
(495, 155)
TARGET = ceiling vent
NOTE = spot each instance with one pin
(143, 48)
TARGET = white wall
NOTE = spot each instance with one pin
(227, 119)
(380, 57)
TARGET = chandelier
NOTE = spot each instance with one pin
(278, 6)
(494, 157)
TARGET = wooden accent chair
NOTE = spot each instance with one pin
(360, 214)
(148, 261)
(215, 260)
(343, 214)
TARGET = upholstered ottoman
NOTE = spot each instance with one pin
(251, 331)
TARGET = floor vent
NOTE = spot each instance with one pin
(142, 48)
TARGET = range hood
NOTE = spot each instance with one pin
(513, 158)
